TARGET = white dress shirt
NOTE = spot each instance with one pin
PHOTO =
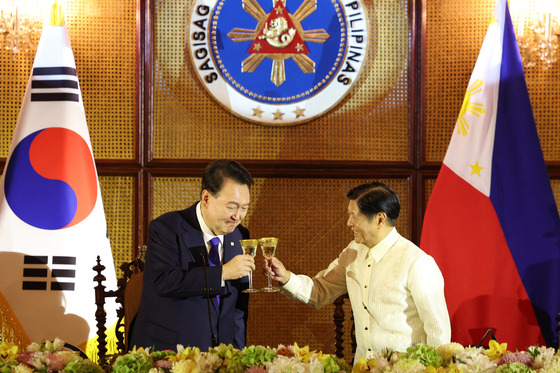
(396, 292)
(208, 235)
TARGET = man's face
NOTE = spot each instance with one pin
(365, 231)
(223, 212)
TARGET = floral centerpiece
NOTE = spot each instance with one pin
(51, 357)
(47, 357)
(454, 358)
(251, 359)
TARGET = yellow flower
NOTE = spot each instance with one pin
(185, 366)
(303, 354)
(496, 350)
(140, 351)
(189, 353)
(453, 369)
(449, 350)
(364, 365)
(360, 366)
(8, 351)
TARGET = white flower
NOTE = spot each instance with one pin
(545, 356)
(208, 363)
(313, 366)
(473, 360)
(58, 344)
(553, 366)
(283, 364)
(34, 347)
(22, 368)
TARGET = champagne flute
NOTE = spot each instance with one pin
(250, 248)
(268, 246)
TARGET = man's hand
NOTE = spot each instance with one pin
(238, 267)
(277, 270)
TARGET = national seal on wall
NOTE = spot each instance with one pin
(278, 62)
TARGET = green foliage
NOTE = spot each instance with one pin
(425, 354)
(514, 368)
(255, 356)
(82, 366)
(133, 363)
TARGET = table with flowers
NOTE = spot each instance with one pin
(50, 357)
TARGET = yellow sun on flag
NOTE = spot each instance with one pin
(468, 106)
(476, 168)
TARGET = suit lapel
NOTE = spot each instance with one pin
(194, 243)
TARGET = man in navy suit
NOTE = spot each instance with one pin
(174, 306)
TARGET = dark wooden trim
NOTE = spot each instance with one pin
(147, 201)
(148, 79)
(144, 198)
(413, 218)
(138, 135)
(420, 16)
(415, 112)
(301, 169)
(117, 166)
(412, 87)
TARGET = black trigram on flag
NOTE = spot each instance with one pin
(36, 274)
(55, 84)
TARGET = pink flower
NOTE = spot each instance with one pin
(516, 357)
(26, 358)
(54, 363)
(285, 351)
(163, 364)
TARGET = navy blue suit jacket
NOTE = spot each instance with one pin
(173, 309)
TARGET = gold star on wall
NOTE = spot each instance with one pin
(257, 112)
(299, 112)
(278, 115)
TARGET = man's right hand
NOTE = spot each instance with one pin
(238, 267)
(277, 270)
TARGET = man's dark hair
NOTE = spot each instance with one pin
(222, 169)
(373, 198)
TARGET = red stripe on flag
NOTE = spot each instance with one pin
(462, 232)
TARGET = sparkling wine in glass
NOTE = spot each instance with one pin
(268, 246)
(250, 248)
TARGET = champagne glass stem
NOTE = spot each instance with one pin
(251, 279)
(269, 280)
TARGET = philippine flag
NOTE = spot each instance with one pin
(52, 222)
(491, 222)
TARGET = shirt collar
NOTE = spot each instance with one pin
(206, 231)
(379, 250)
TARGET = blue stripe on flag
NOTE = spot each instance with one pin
(521, 191)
